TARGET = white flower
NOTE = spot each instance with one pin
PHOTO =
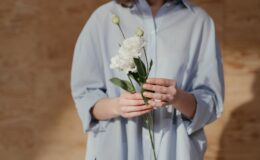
(115, 19)
(125, 64)
(133, 43)
(130, 49)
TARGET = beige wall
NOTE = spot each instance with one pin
(37, 117)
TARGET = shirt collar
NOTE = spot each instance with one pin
(186, 3)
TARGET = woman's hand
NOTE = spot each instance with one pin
(164, 91)
(131, 105)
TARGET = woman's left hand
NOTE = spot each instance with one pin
(164, 91)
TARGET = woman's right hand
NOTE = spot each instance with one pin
(130, 105)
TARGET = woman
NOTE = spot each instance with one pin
(187, 76)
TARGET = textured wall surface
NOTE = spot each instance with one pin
(38, 120)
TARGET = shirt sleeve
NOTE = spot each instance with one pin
(87, 75)
(206, 80)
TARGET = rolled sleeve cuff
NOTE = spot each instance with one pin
(84, 106)
(205, 112)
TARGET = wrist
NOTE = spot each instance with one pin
(115, 107)
(177, 97)
(185, 103)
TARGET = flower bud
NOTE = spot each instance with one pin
(139, 32)
(115, 19)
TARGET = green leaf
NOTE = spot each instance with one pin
(140, 68)
(135, 76)
(124, 84)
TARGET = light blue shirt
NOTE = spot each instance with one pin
(181, 41)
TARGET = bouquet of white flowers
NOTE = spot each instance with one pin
(129, 61)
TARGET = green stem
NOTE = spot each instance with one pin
(142, 93)
(148, 119)
(131, 82)
(149, 123)
(121, 30)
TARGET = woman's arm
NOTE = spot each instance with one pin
(104, 113)
(185, 103)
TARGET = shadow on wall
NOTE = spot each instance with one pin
(240, 139)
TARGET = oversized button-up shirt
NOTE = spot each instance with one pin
(182, 43)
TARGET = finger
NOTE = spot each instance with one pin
(129, 109)
(156, 88)
(127, 102)
(157, 104)
(133, 96)
(159, 96)
(136, 114)
(161, 81)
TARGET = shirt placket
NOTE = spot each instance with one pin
(150, 29)
(151, 43)
(151, 50)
